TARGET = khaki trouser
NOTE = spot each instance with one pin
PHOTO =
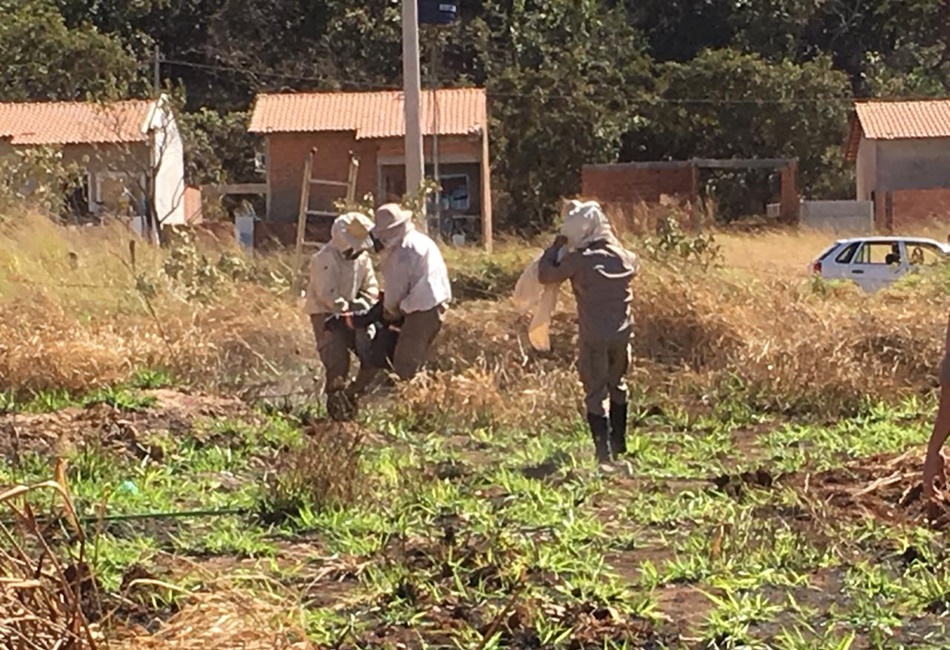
(603, 366)
(334, 349)
(416, 336)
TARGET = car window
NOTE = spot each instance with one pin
(879, 253)
(844, 257)
(924, 254)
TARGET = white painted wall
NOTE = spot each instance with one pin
(866, 169)
(168, 161)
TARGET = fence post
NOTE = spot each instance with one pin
(889, 211)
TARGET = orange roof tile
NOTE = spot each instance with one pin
(370, 114)
(898, 120)
(51, 123)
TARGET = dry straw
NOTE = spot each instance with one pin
(758, 323)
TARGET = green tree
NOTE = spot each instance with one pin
(218, 148)
(677, 30)
(726, 104)
(563, 77)
(41, 58)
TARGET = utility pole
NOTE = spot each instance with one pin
(434, 85)
(156, 73)
(415, 165)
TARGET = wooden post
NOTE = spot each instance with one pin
(302, 211)
(351, 180)
(694, 210)
(790, 205)
(889, 211)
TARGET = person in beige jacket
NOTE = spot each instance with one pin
(600, 271)
(342, 280)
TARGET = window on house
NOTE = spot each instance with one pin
(455, 190)
(120, 194)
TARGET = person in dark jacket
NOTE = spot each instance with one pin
(600, 271)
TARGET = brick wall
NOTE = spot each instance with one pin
(288, 151)
(912, 208)
(637, 183)
(449, 145)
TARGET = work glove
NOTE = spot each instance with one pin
(556, 251)
(360, 304)
(354, 320)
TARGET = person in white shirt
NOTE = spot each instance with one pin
(342, 280)
(416, 287)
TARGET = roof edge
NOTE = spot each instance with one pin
(853, 141)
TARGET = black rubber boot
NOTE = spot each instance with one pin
(600, 431)
(618, 429)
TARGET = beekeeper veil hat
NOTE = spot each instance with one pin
(350, 232)
(585, 223)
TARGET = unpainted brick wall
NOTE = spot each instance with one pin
(912, 207)
(449, 145)
(288, 153)
(631, 184)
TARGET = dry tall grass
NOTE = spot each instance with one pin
(779, 341)
(78, 314)
(757, 329)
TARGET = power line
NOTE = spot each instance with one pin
(657, 100)
(675, 101)
(275, 75)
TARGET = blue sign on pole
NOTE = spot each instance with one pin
(438, 12)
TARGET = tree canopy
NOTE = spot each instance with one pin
(570, 81)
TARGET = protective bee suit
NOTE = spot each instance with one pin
(600, 270)
(341, 280)
(415, 297)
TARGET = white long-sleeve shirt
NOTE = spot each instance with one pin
(415, 277)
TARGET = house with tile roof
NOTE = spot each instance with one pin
(901, 152)
(371, 126)
(129, 153)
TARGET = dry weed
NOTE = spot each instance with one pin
(76, 329)
(757, 325)
(43, 601)
(229, 617)
(325, 471)
(484, 398)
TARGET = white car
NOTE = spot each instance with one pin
(875, 262)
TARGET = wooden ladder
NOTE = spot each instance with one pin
(305, 212)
